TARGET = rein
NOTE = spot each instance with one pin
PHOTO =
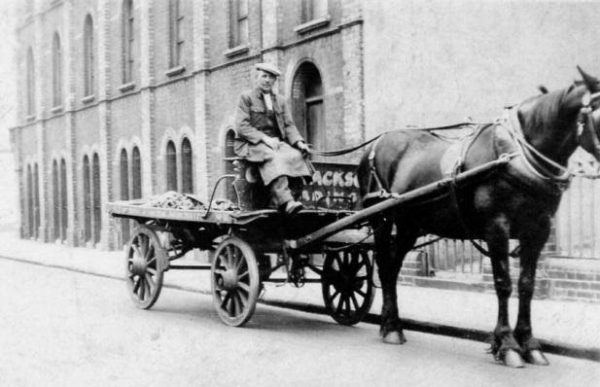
(339, 152)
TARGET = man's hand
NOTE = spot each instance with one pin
(301, 145)
(271, 142)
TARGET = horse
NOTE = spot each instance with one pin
(515, 201)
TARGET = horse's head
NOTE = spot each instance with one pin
(588, 122)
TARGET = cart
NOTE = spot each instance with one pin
(247, 246)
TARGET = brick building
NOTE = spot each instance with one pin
(126, 99)
(120, 99)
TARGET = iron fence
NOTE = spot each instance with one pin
(575, 234)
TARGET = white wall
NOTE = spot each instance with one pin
(430, 62)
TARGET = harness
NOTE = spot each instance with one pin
(537, 164)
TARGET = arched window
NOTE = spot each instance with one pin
(124, 188)
(88, 56)
(63, 201)
(30, 83)
(96, 198)
(229, 158)
(87, 200)
(30, 216)
(308, 109)
(136, 174)
(56, 200)
(124, 174)
(175, 33)
(36, 200)
(187, 167)
(56, 71)
(127, 40)
(171, 167)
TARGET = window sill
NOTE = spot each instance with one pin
(175, 71)
(88, 99)
(30, 118)
(124, 88)
(312, 25)
(56, 109)
(237, 50)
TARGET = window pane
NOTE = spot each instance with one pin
(314, 124)
(88, 56)
(30, 83)
(243, 32)
(174, 33)
(187, 174)
(171, 167)
(124, 188)
(87, 200)
(56, 200)
(136, 174)
(30, 202)
(124, 181)
(56, 71)
(96, 198)
(63, 202)
(36, 198)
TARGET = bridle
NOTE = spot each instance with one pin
(542, 166)
(586, 127)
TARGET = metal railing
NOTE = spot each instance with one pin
(577, 222)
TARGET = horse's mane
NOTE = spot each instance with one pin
(539, 112)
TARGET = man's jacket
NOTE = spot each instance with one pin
(253, 123)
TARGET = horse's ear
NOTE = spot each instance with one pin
(592, 83)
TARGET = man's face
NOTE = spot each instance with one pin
(266, 81)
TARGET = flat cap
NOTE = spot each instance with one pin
(269, 68)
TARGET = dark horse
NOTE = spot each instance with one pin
(514, 201)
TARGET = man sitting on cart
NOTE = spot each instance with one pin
(268, 137)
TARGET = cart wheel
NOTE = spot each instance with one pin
(235, 281)
(347, 286)
(144, 275)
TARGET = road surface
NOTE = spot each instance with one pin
(62, 328)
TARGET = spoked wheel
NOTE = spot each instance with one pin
(347, 285)
(235, 281)
(144, 275)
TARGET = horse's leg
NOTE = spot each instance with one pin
(531, 245)
(388, 268)
(504, 346)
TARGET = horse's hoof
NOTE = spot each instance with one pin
(536, 357)
(513, 359)
(394, 337)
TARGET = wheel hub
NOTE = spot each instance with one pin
(228, 280)
(138, 266)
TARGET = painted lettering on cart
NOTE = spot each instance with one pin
(333, 186)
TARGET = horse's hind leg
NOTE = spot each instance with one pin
(504, 346)
(531, 246)
(389, 266)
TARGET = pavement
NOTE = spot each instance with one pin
(564, 327)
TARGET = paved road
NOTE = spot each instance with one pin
(60, 328)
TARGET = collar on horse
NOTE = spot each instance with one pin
(548, 172)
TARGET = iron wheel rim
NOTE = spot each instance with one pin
(144, 277)
(235, 281)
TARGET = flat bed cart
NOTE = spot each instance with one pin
(247, 247)
(241, 239)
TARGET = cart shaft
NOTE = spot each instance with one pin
(394, 200)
